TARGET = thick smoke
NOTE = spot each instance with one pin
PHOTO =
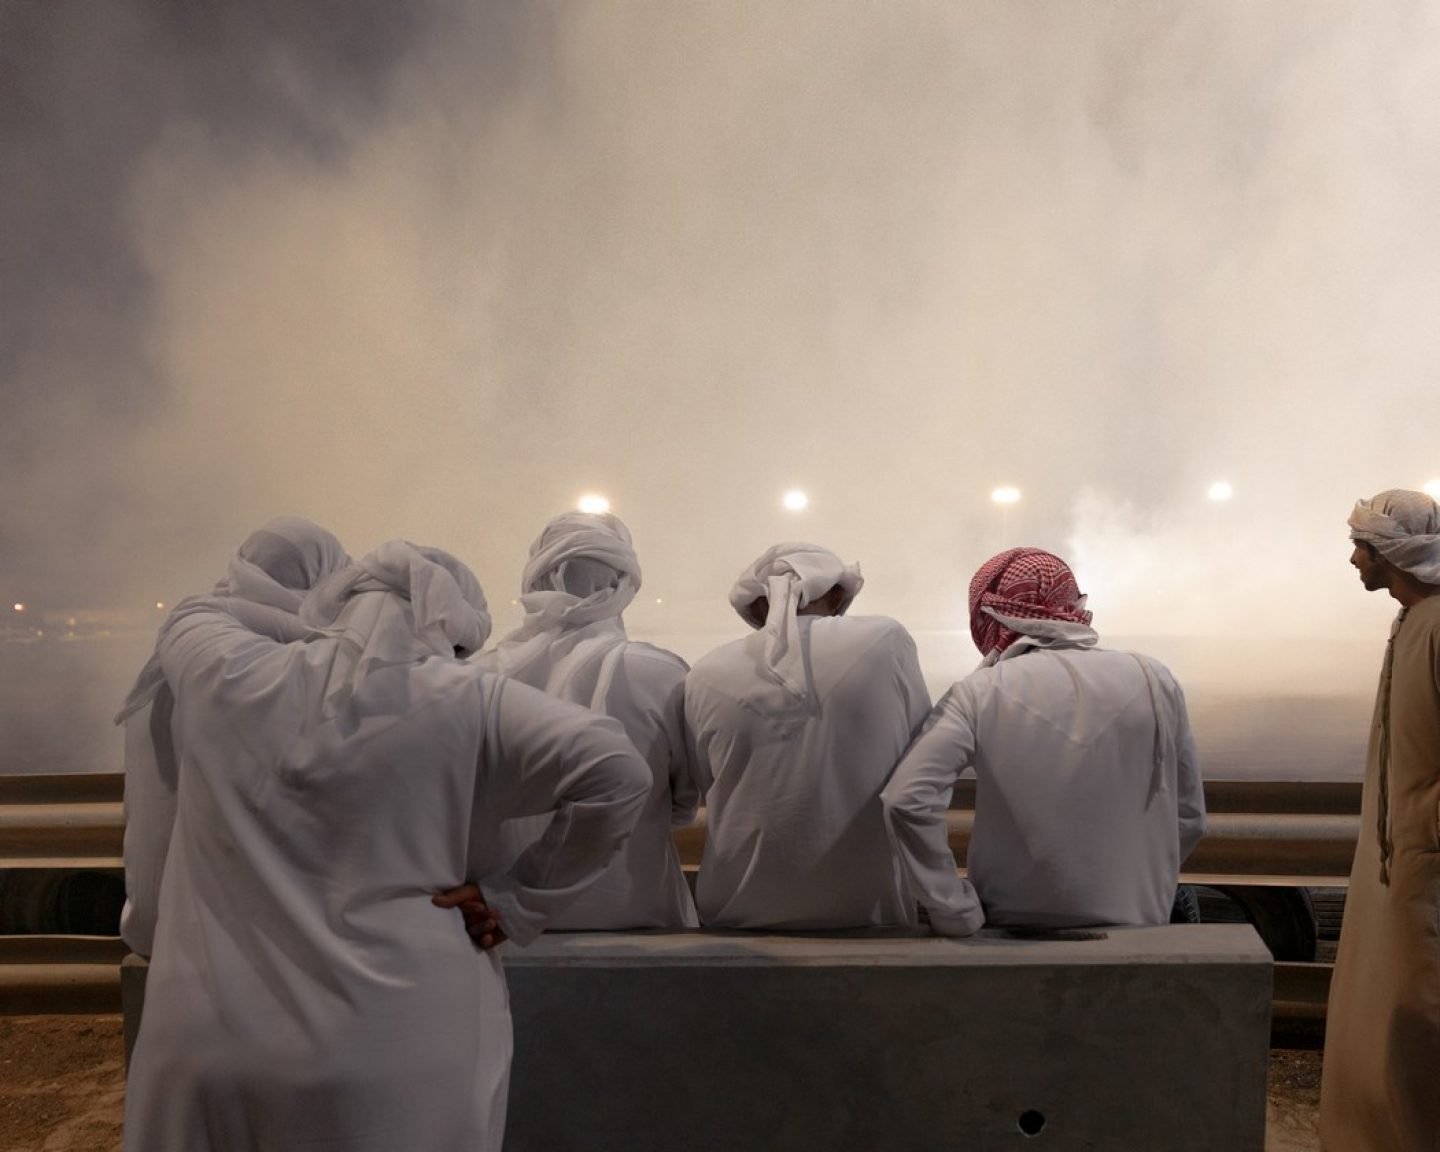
(433, 270)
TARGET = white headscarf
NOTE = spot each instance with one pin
(582, 571)
(274, 568)
(790, 576)
(1404, 527)
(398, 605)
(582, 568)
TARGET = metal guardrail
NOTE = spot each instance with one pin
(62, 821)
(57, 975)
(80, 975)
(1259, 833)
(1296, 835)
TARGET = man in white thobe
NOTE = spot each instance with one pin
(796, 729)
(305, 992)
(1088, 793)
(581, 575)
(269, 573)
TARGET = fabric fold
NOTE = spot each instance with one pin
(276, 566)
(582, 570)
(789, 577)
(397, 605)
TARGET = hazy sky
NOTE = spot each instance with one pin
(435, 269)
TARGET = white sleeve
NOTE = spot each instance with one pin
(698, 756)
(656, 686)
(916, 800)
(544, 755)
(684, 784)
(150, 800)
(1189, 786)
(912, 684)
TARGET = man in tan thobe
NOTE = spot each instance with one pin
(1381, 1086)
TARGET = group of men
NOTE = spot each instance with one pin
(324, 763)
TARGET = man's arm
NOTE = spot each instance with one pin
(684, 785)
(150, 801)
(696, 752)
(1189, 786)
(916, 800)
(912, 683)
(654, 680)
(543, 755)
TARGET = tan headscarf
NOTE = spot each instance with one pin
(1404, 527)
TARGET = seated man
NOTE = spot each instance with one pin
(581, 575)
(796, 730)
(1088, 794)
(267, 577)
(305, 992)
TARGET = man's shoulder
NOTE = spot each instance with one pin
(860, 635)
(725, 656)
(1156, 666)
(1427, 612)
(863, 628)
(652, 660)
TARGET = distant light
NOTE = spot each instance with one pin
(1220, 491)
(658, 600)
(1432, 489)
(513, 603)
(70, 623)
(19, 607)
(159, 604)
(795, 500)
(593, 503)
(1005, 495)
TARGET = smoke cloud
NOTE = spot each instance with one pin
(434, 270)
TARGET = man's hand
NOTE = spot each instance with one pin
(481, 921)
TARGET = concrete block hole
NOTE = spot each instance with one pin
(1031, 1122)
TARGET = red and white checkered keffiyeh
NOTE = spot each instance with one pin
(1027, 583)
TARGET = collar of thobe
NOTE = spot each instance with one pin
(1039, 634)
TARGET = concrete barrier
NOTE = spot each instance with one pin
(1146, 1039)
(1132, 1039)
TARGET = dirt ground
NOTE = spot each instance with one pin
(62, 1083)
(62, 1088)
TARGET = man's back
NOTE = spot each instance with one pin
(642, 687)
(1088, 793)
(796, 834)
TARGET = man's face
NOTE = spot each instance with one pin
(1374, 571)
